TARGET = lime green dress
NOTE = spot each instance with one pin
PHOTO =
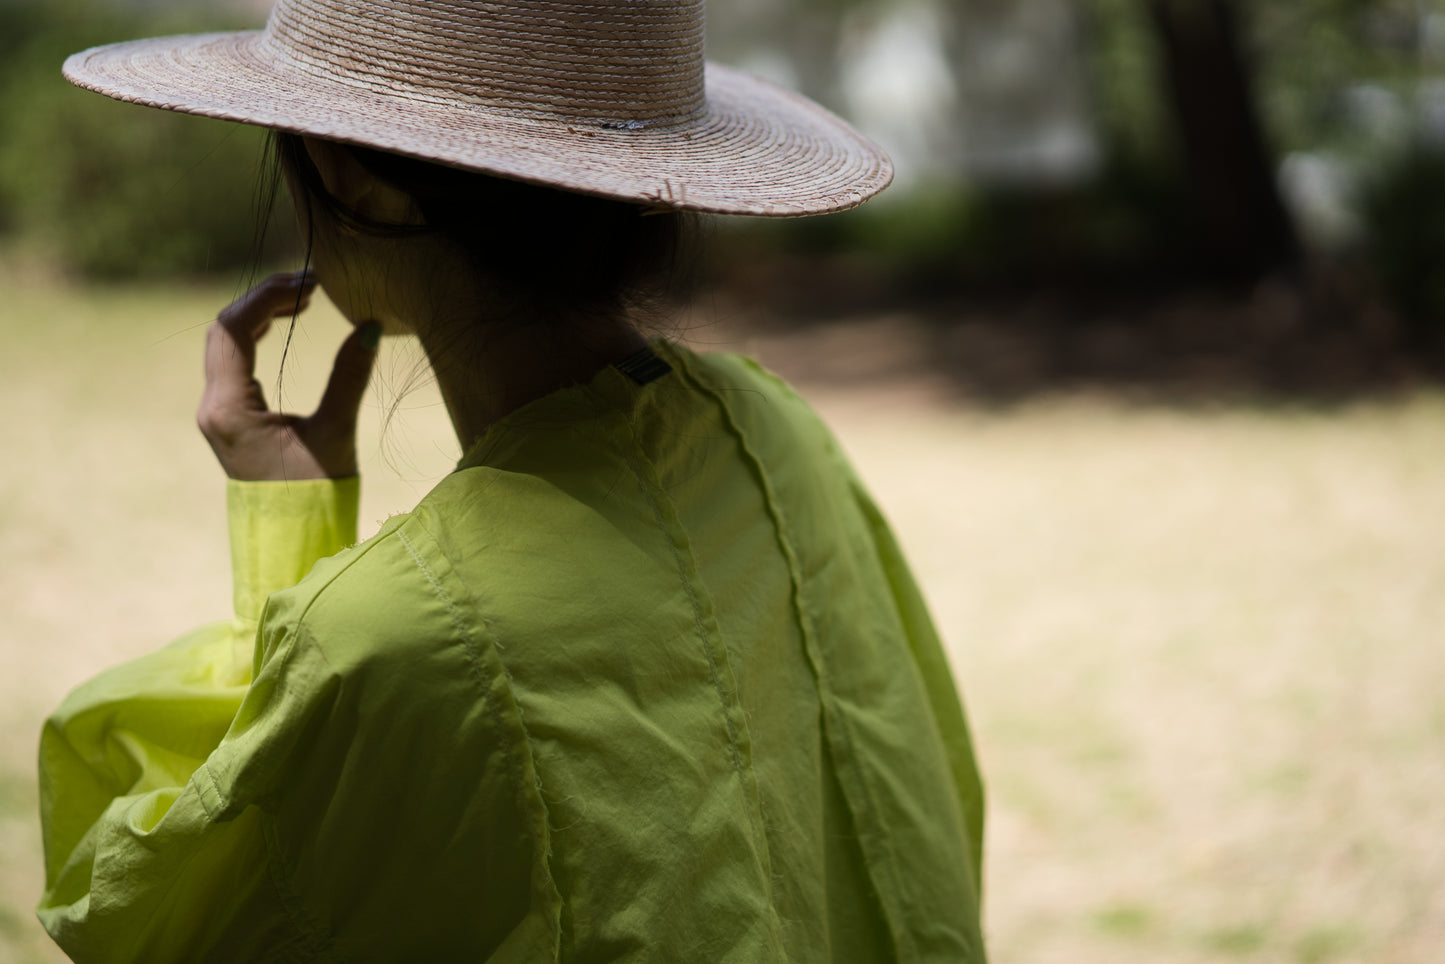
(645, 679)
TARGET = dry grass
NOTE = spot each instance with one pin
(1201, 649)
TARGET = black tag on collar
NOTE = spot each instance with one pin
(643, 366)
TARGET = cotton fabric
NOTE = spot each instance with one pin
(645, 679)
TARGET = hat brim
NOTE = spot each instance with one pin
(756, 149)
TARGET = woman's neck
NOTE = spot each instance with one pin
(489, 370)
(487, 362)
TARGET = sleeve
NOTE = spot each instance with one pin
(137, 861)
(923, 640)
(938, 681)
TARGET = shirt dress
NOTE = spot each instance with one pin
(645, 679)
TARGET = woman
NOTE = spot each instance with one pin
(646, 677)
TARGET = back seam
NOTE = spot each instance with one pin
(902, 937)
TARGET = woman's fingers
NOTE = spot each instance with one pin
(278, 295)
(249, 440)
(230, 377)
(347, 386)
(252, 442)
(231, 341)
(329, 435)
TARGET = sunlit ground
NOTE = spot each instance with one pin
(1203, 650)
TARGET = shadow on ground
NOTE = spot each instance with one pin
(1322, 338)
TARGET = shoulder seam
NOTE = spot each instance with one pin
(358, 552)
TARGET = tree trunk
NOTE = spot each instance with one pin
(1246, 232)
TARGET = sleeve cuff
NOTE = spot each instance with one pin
(280, 529)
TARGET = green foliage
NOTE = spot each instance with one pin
(1129, 108)
(1302, 55)
(112, 189)
(1307, 53)
(1404, 206)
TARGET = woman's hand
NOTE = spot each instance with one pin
(254, 443)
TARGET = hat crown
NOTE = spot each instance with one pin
(614, 63)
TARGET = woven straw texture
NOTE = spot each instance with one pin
(609, 97)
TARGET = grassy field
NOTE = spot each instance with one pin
(1202, 649)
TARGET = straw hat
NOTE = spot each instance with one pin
(605, 97)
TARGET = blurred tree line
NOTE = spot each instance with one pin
(1116, 144)
(112, 190)
(1108, 142)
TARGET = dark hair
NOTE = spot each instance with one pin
(549, 254)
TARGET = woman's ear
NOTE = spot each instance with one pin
(344, 177)
(357, 188)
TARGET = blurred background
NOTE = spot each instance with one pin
(1142, 354)
(1148, 190)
